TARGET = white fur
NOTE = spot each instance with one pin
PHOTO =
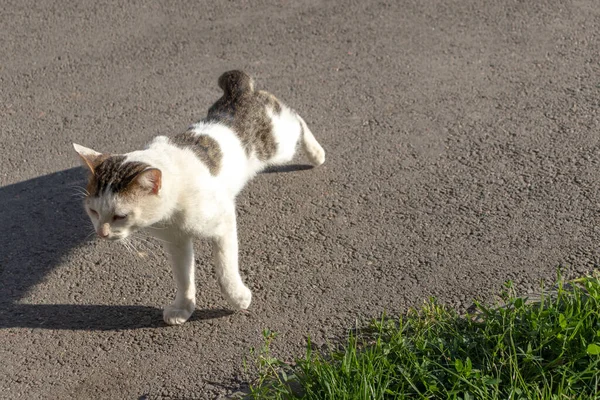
(193, 203)
(286, 129)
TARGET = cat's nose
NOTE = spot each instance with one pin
(103, 231)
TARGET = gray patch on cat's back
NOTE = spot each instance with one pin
(269, 101)
(206, 149)
(114, 174)
(245, 111)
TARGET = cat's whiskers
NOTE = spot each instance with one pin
(124, 243)
(77, 186)
(141, 239)
(78, 196)
(144, 242)
(127, 244)
(80, 191)
(159, 239)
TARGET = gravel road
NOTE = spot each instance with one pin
(463, 150)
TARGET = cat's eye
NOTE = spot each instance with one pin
(94, 213)
(117, 217)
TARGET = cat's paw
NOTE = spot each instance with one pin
(241, 299)
(315, 154)
(176, 314)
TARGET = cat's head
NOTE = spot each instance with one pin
(121, 196)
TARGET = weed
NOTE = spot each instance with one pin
(543, 349)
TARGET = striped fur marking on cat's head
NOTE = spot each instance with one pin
(122, 196)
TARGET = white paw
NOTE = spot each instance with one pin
(241, 299)
(316, 154)
(176, 314)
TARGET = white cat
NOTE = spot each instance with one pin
(184, 186)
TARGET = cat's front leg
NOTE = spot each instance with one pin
(225, 255)
(181, 255)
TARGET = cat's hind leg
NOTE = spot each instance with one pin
(312, 148)
(181, 255)
(288, 129)
(225, 255)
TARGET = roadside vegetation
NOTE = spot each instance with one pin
(547, 348)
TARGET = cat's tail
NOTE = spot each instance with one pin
(235, 83)
(312, 148)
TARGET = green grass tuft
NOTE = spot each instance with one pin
(547, 349)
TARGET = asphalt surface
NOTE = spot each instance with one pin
(463, 150)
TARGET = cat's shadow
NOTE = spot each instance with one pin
(94, 317)
(41, 220)
(286, 168)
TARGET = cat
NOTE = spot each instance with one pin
(182, 187)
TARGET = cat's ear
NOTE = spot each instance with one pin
(150, 180)
(89, 158)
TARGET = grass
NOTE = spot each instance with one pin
(547, 349)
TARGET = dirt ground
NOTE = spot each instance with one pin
(463, 150)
